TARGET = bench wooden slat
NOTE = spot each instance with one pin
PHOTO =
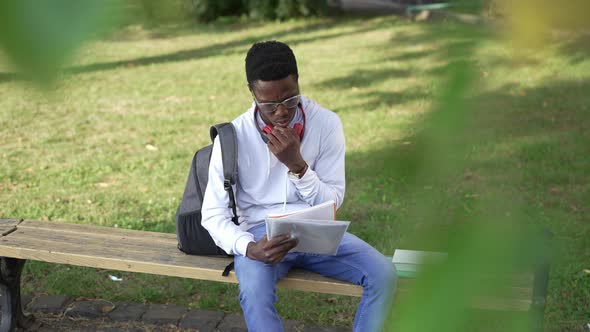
(123, 246)
(297, 279)
(516, 279)
(125, 242)
(136, 251)
(501, 304)
(156, 253)
(119, 251)
(96, 230)
(134, 246)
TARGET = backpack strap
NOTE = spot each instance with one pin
(227, 269)
(229, 157)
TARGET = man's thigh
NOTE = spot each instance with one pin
(354, 260)
(253, 271)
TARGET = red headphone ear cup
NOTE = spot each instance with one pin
(298, 127)
(267, 129)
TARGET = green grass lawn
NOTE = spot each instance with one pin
(78, 154)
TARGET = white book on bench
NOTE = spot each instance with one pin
(409, 262)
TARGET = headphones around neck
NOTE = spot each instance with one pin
(298, 127)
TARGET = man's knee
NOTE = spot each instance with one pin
(256, 280)
(383, 275)
(389, 275)
(257, 291)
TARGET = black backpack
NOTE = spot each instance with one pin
(193, 239)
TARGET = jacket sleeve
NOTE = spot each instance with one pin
(215, 211)
(326, 180)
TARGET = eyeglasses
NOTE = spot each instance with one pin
(269, 108)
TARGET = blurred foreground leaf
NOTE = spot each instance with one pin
(39, 37)
(485, 244)
(532, 22)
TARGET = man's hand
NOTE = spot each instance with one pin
(271, 251)
(284, 144)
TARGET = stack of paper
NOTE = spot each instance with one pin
(314, 227)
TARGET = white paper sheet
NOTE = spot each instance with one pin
(315, 236)
(326, 210)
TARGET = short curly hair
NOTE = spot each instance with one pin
(270, 61)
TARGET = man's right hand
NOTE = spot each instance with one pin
(271, 251)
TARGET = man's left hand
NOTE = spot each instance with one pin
(284, 144)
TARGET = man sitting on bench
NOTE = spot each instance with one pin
(290, 156)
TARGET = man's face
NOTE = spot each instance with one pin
(276, 92)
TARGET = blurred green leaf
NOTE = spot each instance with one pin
(485, 243)
(39, 37)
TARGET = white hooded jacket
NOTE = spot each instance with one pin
(263, 185)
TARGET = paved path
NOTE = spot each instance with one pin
(62, 313)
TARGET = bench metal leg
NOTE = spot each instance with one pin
(12, 312)
(539, 299)
(541, 283)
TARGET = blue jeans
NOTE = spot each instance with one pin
(356, 262)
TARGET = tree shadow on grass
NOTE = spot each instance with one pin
(232, 47)
(533, 157)
(577, 46)
(532, 138)
(425, 55)
(364, 77)
(8, 77)
(405, 59)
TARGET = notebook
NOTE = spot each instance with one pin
(314, 227)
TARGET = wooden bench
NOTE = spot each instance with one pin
(156, 253)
